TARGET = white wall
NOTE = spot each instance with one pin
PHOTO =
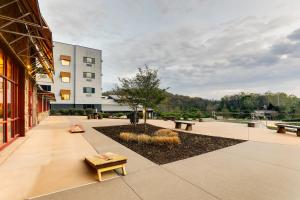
(67, 50)
(80, 97)
(76, 68)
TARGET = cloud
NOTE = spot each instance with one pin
(200, 62)
(295, 36)
(201, 48)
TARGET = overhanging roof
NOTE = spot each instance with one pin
(24, 31)
(48, 95)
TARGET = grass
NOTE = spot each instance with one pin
(238, 121)
(165, 132)
(163, 136)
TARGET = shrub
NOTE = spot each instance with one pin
(64, 111)
(144, 138)
(100, 116)
(119, 114)
(79, 112)
(105, 115)
(126, 136)
(165, 140)
(89, 111)
(53, 112)
(71, 111)
(147, 139)
(165, 132)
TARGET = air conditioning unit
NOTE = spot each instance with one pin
(88, 95)
(88, 79)
(89, 64)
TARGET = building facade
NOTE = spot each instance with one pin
(78, 78)
(25, 51)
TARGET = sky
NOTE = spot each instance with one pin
(203, 48)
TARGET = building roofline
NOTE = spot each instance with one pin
(76, 45)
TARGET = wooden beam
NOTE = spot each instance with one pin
(14, 20)
(5, 5)
(23, 34)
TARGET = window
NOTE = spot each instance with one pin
(1, 99)
(65, 60)
(89, 90)
(46, 88)
(88, 75)
(1, 63)
(65, 94)
(9, 106)
(65, 77)
(89, 60)
(88, 106)
(9, 69)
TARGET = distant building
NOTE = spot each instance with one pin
(268, 114)
(111, 104)
(78, 78)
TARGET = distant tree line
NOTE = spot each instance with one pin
(237, 106)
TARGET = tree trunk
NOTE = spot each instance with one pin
(145, 120)
(134, 116)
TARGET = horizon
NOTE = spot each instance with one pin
(247, 93)
(205, 49)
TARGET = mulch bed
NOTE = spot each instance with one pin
(191, 144)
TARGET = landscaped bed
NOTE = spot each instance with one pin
(191, 144)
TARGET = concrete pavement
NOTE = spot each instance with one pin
(250, 170)
(236, 131)
(49, 159)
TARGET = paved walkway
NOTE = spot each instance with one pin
(237, 131)
(48, 159)
(250, 170)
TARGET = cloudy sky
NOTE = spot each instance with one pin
(205, 48)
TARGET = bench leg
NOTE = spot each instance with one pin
(281, 130)
(298, 132)
(188, 127)
(124, 170)
(99, 175)
(178, 125)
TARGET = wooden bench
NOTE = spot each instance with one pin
(281, 128)
(188, 125)
(107, 162)
(252, 124)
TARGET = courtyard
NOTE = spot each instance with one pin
(48, 164)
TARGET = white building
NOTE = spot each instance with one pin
(78, 77)
(111, 104)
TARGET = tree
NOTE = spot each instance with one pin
(143, 89)
(127, 92)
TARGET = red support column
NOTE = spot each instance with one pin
(21, 102)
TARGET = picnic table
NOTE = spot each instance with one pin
(281, 128)
(189, 124)
(107, 162)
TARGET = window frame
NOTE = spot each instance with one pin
(10, 118)
(85, 90)
(85, 75)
